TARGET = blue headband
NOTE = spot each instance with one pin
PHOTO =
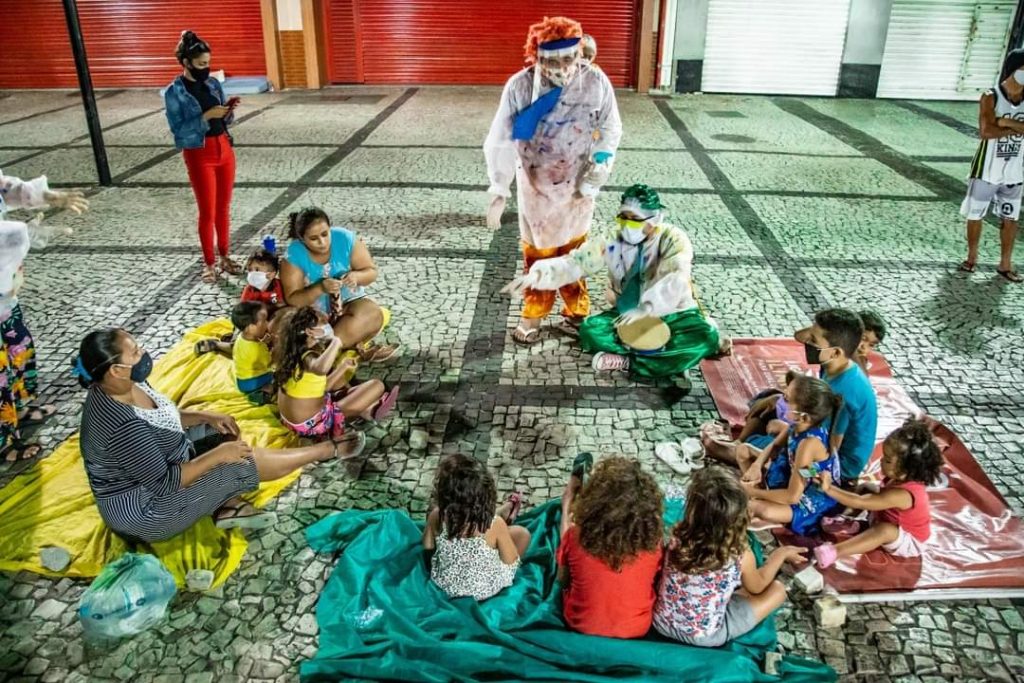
(559, 44)
(78, 370)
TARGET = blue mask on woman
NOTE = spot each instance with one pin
(141, 370)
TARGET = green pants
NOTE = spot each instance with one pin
(693, 339)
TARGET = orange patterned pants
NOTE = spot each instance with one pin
(538, 303)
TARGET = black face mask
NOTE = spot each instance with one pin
(199, 74)
(812, 354)
(141, 370)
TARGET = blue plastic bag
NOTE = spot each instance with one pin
(130, 595)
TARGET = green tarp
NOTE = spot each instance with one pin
(381, 618)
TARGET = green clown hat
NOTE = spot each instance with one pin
(643, 197)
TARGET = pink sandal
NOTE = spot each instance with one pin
(386, 405)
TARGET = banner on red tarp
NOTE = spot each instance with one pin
(975, 543)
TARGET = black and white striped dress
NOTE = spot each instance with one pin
(133, 459)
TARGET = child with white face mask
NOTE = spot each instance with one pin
(262, 283)
(263, 287)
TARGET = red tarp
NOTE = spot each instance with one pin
(975, 541)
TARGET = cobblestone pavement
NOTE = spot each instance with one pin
(793, 204)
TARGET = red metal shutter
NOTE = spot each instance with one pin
(344, 59)
(129, 42)
(478, 41)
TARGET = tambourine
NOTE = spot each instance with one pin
(644, 335)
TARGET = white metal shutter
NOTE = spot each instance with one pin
(785, 47)
(944, 49)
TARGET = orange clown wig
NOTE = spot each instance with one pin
(551, 28)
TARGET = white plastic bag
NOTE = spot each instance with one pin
(129, 596)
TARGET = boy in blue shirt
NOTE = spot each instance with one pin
(830, 342)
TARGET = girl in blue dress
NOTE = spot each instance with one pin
(789, 496)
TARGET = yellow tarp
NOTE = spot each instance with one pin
(51, 504)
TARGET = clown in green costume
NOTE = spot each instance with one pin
(649, 265)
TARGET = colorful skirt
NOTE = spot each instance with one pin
(18, 379)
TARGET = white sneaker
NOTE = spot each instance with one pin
(609, 362)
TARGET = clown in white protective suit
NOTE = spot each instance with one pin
(18, 380)
(649, 270)
(556, 133)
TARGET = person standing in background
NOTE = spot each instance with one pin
(199, 115)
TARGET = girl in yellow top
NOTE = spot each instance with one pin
(312, 394)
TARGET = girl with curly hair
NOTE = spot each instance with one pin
(312, 394)
(611, 547)
(900, 514)
(475, 551)
(711, 589)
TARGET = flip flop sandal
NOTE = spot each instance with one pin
(19, 449)
(360, 440)
(209, 275)
(386, 405)
(516, 498)
(205, 346)
(228, 266)
(1010, 275)
(381, 354)
(235, 520)
(529, 337)
(716, 430)
(672, 455)
(582, 465)
(37, 414)
(967, 267)
(762, 525)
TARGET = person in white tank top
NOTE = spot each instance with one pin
(997, 170)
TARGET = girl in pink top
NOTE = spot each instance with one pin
(901, 518)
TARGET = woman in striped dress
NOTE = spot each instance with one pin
(151, 478)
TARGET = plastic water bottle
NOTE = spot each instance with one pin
(129, 596)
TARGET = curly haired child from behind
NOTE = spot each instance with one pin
(711, 589)
(611, 547)
(475, 551)
(900, 513)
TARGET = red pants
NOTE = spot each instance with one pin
(211, 170)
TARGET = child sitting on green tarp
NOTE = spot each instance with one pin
(611, 547)
(711, 589)
(475, 551)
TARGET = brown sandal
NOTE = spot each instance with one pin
(229, 266)
(209, 274)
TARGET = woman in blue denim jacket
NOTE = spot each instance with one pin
(199, 116)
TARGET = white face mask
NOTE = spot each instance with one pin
(1018, 76)
(258, 279)
(327, 331)
(633, 235)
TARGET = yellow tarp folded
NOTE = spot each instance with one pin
(51, 504)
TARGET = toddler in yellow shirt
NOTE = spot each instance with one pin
(251, 354)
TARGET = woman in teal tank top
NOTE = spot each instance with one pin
(327, 268)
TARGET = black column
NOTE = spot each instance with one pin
(1017, 30)
(92, 116)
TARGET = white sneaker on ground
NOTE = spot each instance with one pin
(609, 362)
